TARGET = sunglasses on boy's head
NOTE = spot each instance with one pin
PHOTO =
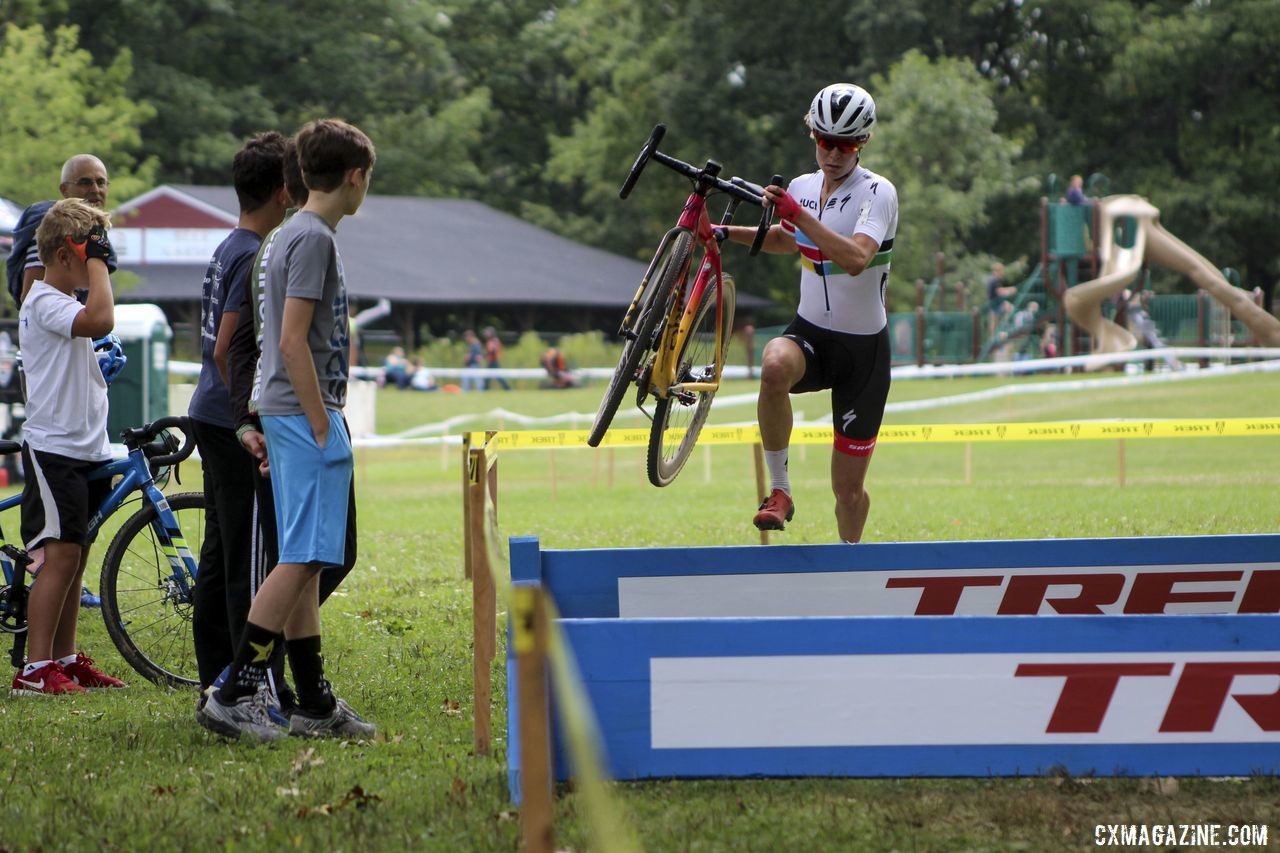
(838, 143)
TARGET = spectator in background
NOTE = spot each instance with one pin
(1049, 341)
(84, 177)
(557, 367)
(1024, 322)
(1075, 191)
(420, 379)
(493, 356)
(394, 369)
(998, 294)
(474, 359)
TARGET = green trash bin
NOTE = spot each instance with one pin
(140, 393)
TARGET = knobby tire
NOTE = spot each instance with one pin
(697, 360)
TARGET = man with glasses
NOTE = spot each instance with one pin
(842, 220)
(84, 177)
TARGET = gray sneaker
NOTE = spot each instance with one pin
(342, 721)
(249, 715)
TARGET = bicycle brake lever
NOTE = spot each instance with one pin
(766, 221)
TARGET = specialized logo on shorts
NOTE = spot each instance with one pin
(848, 418)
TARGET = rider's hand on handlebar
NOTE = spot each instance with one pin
(784, 204)
(720, 232)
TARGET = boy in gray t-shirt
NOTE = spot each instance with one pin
(300, 391)
(303, 262)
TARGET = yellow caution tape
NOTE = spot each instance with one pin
(923, 433)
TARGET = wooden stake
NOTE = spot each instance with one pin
(758, 455)
(968, 463)
(1120, 466)
(530, 640)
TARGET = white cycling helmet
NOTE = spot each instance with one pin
(842, 109)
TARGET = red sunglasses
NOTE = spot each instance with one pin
(838, 143)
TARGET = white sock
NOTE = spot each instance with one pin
(68, 660)
(34, 665)
(777, 462)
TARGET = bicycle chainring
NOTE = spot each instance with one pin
(9, 623)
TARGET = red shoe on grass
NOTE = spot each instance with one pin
(88, 676)
(48, 680)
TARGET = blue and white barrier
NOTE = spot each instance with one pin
(862, 685)
(1170, 575)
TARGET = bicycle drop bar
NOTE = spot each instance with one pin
(706, 179)
(140, 435)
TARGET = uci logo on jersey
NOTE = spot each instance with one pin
(809, 203)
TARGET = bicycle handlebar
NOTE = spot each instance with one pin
(138, 436)
(706, 179)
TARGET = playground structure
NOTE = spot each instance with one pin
(1129, 235)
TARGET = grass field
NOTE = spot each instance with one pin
(133, 771)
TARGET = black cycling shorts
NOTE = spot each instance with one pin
(856, 369)
(58, 498)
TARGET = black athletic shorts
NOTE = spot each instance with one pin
(58, 497)
(856, 369)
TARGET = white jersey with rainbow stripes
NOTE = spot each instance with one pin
(865, 203)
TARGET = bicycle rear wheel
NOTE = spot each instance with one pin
(147, 613)
(668, 266)
(678, 419)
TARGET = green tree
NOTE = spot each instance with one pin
(218, 71)
(1200, 89)
(65, 106)
(937, 142)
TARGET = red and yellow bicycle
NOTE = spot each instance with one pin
(675, 334)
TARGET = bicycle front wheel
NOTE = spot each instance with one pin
(679, 417)
(146, 609)
(671, 263)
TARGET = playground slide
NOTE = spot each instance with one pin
(1121, 265)
(1171, 253)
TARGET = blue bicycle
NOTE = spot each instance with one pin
(149, 571)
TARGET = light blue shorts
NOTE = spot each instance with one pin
(311, 486)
